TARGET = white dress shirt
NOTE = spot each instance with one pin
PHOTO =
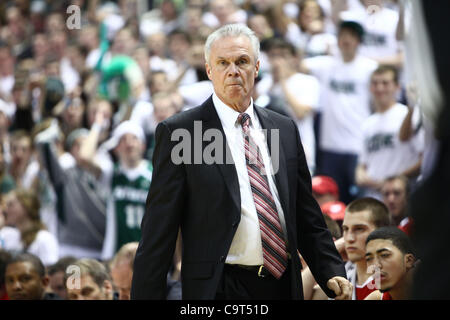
(246, 247)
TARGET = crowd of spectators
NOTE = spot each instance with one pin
(83, 85)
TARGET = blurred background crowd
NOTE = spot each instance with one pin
(83, 85)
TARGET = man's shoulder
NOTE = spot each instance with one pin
(185, 119)
(276, 117)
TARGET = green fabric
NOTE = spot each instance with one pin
(129, 203)
(115, 83)
(7, 184)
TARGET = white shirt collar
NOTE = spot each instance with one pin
(228, 116)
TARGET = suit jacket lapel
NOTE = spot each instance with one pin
(211, 120)
(281, 179)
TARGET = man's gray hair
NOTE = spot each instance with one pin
(232, 30)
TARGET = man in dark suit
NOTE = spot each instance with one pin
(244, 216)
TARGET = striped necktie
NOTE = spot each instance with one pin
(273, 244)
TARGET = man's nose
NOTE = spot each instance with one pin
(350, 236)
(232, 70)
(17, 286)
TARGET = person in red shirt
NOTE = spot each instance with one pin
(391, 257)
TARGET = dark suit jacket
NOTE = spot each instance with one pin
(204, 200)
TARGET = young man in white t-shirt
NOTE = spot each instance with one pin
(298, 92)
(380, 26)
(383, 154)
(345, 105)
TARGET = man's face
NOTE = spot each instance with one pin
(232, 69)
(15, 213)
(163, 108)
(23, 282)
(384, 257)
(356, 227)
(21, 151)
(383, 88)
(258, 23)
(394, 196)
(89, 290)
(130, 147)
(348, 42)
(56, 284)
(122, 275)
(73, 114)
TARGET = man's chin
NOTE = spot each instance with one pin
(354, 257)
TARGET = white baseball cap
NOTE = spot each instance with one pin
(122, 129)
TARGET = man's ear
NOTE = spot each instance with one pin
(208, 70)
(257, 68)
(409, 261)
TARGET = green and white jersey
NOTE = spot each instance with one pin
(126, 206)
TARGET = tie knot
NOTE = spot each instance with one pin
(244, 121)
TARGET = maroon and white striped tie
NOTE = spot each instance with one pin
(273, 244)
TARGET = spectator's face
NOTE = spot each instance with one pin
(15, 22)
(55, 22)
(194, 19)
(89, 290)
(260, 26)
(103, 107)
(6, 61)
(163, 108)
(130, 148)
(23, 282)
(21, 151)
(123, 42)
(222, 9)
(356, 227)
(57, 285)
(122, 275)
(383, 88)
(310, 12)
(89, 37)
(156, 44)
(348, 42)
(394, 196)
(178, 46)
(73, 114)
(40, 46)
(385, 259)
(232, 69)
(15, 213)
(159, 82)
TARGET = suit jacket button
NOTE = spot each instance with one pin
(235, 224)
(222, 259)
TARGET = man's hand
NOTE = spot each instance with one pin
(341, 287)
